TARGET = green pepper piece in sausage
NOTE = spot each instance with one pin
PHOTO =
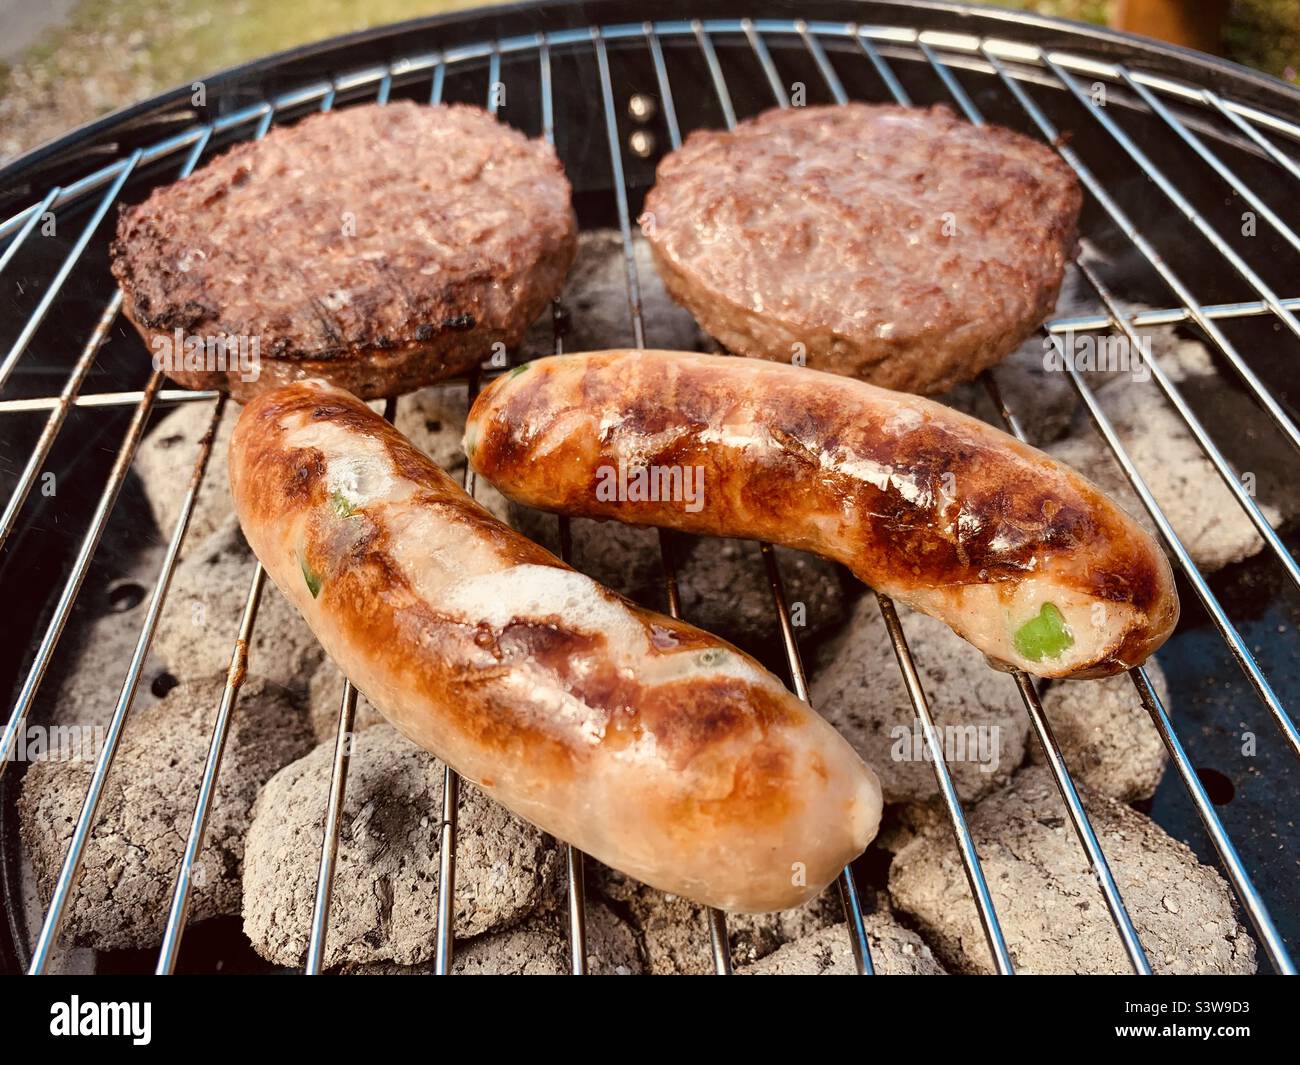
(1044, 636)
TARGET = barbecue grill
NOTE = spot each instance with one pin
(1175, 151)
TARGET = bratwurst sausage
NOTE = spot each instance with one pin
(1017, 553)
(657, 748)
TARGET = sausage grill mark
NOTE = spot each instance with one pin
(919, 501)
(656, 747)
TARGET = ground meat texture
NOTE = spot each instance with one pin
(899, 245)
(380, 247)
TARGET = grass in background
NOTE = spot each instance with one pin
(112, 53)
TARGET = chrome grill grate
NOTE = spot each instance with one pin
(1010, 74)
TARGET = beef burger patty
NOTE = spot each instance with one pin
(899, 245)
(380, 247)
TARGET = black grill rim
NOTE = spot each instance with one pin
(275, 73)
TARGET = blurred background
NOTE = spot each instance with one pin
(65, 62)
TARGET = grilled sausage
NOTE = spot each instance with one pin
(655, 747)
(1017, 553)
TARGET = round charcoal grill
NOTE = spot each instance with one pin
(1191, 174)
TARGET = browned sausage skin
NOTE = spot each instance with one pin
(659, 749)
(1019, 554)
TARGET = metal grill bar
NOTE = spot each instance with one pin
(1226, 473)
(1083, 829)
(630, 272)
(1246, 891)
(1079, 818)
(163, 398)
(235, 675)
(439, 79)
(343, 736)
(759, 47)
(330, 839)
(548, 105)
(72, 862)
(1249, 896)
(72, 586)
(1270, 149)
(85, 822)
(848, 886)
(1213, 161)
(882, 68)
(1029, 695)
(1256, 386)
(1230, 634)
(494, 78)
(446, 932)
(58, 414)
(717, 922)
(1241, 882)
(1241, 116)
(37, 316)
(34, 217)
(818, 53)
(799, 681)
(575, 862)
(1170, 315)
(1171, 191)
(862, 35)
(1200, 798)
(715, 72)
(1073, 324)
(665, 89)
(966, 845)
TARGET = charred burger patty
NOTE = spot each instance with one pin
(899, 245)
(379, 247)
